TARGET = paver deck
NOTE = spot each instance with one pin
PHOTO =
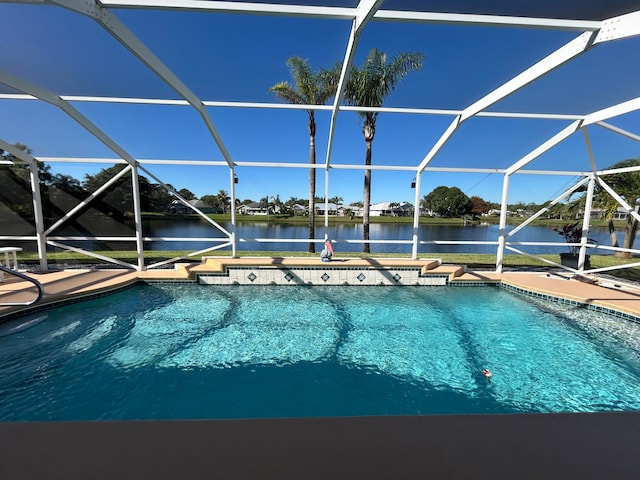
(76, 283)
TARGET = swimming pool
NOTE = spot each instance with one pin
(188, 351)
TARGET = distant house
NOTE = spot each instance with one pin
(598, 213)
(495, 213)
(253, 208)
(405, 209)
(299, 209)
(332, 208)
(383, 209)
(180, 208)
(353, 210)
(621, 214)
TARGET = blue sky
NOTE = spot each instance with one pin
(238, 57)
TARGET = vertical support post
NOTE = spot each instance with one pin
(135, 184)
(585, 224)
(503, 223)
(232, 189)
(41, 239)
(416, 218)
(326, 203)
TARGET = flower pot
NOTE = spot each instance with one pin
(571, 260)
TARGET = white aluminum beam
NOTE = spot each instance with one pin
(540, 212)
(486, 20)
(619, 170)
(453, 126)
(544, 66)
(88, 200)
(550, 62)
(552, 142)
(623, 26)
(339, 13)
(613, 111)
(237, 8)
(337, 166)
(293, 106)
(346, 65)
(36, 198)
(91, 254)
(595, 117)
(623, 203)
(584, 240)
(502, 224)
(415, 236)
(122, 34)
(365, 11)
(620, 131)
(46, 96)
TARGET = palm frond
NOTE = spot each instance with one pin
(303, 76)
(368, 86)
(288, 93)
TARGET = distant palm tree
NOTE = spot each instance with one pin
(367, 87)
(311, 88)
(223, 200)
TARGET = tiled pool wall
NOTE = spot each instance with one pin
(568, 301)
(322, 276)
(398, 276)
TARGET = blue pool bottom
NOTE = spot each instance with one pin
(194, 352)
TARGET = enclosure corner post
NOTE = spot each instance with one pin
(232, 189)
(503, 224)
(416, 219)
(41, 238)
(135, 184)
(585, 224)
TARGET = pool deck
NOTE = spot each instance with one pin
(73, 283)
(530, 446)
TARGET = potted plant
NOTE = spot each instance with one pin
(572, 233)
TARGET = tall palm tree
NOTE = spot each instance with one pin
(223, 200)
(311, 88)
(367, 87)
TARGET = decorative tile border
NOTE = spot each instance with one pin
(400, 276)
(575, 303)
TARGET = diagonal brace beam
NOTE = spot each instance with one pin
(122, 34)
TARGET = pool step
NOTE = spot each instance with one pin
(220, 264)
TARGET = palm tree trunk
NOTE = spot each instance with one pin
(366, 200)
(312, 182)
(612, 234)
(629, 237)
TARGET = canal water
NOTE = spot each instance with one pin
(346, 237)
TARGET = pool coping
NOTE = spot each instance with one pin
(71, 286)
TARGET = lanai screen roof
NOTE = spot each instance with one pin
(186, 83)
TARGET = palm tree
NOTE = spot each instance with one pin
(311, 88)
(223, 200)
(367, 87)
(627, 185)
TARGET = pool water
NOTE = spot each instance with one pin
(189, 351)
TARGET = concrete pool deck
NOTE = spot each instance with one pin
(76, 283)
(531, 446)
